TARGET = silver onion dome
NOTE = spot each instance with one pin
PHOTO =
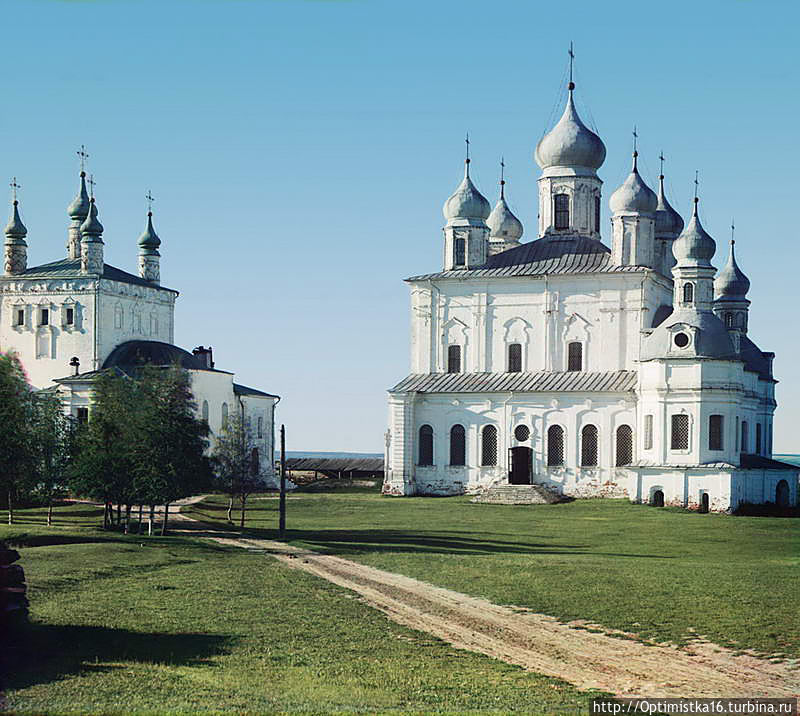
(694, 247)
(731, 282)
(633, 195)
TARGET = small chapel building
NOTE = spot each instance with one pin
(72, 318)
(624, 371)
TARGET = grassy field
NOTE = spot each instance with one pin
(661, 573)
(123, 624)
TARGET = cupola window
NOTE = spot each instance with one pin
(458, 445)
(454, 359)
(589, 446)
(489, 446)
(715, 432)
(597, 214)
(515, 358)
(459, 252)
(624, 445)
(728, 320)
(575, 356)
(561, 211)
(425, 445)
(555, 446)
(688, 293)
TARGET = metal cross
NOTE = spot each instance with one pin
(467, 142)
(733, 229)
(696, 183)
(502, 171)
(84, 156)
(90, 181)
(571, 60)
(14, 186)
(150, 199)
(661, 158)
(635, 137)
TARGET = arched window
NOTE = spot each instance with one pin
(459, 252)
(425, 445)
(597, 214)
(453, 359)
(224, 416)
(489, 446)
(555, 445)
(715, 432)
(515, 357)
(745, 436)
(688, 292)
(679, 440)
(728, 320)
(254, 466)
(458, 445)
(782, 494)
(561, 210)
(589, 446)
(624, 445)
(261, 427)
(575, 356)
(205, 410)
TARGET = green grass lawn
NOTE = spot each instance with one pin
(660, 573)
(122, 624)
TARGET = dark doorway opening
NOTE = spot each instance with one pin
(782, 494)
(521, 463)
(658, 498)
(704, 503)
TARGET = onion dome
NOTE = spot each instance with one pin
(15, 230)
(633, 196)
(570, 143)
(149, 241)
(731, 283)
(668, 221)
(79, 208)
(501, 222)
(694, 247)
(466, 202)
(91, 226)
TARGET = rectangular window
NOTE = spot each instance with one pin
(453, 359)
(758, 438)
(44, 317)
(597, 214)
(561, 209)
(575, 356)
(745, 437)
(515, 358)
(715, 432)
(83, 416)
(20, 316)
(69, 320)
(680, 432)
(459, 252)
(648, 432)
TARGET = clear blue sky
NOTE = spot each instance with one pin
(300, 153)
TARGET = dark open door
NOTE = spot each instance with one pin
(520, 459)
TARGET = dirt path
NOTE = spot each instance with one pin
(586, 659)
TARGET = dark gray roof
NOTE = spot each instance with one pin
(547, 256)
(619, 381)
(136, 353)
(335, 464)
(759, 462)
(244, 390)
(71, 268)
(754, 358)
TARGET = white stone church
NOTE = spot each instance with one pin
(71, 318)
(615, 372)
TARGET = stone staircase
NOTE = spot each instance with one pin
(518, 495)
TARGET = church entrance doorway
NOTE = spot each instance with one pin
(782, 494)
(658, 498)
(520, 460)
(704, 503)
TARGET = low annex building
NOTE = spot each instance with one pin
(624, 371)
(71, 318)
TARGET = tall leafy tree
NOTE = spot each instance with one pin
(16, 450)
(53, 438)
(236, 464)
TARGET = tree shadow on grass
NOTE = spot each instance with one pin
(40, 653)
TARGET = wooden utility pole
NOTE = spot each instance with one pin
(282, 520)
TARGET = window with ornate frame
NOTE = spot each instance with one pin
(561, 211)
(515, 357)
